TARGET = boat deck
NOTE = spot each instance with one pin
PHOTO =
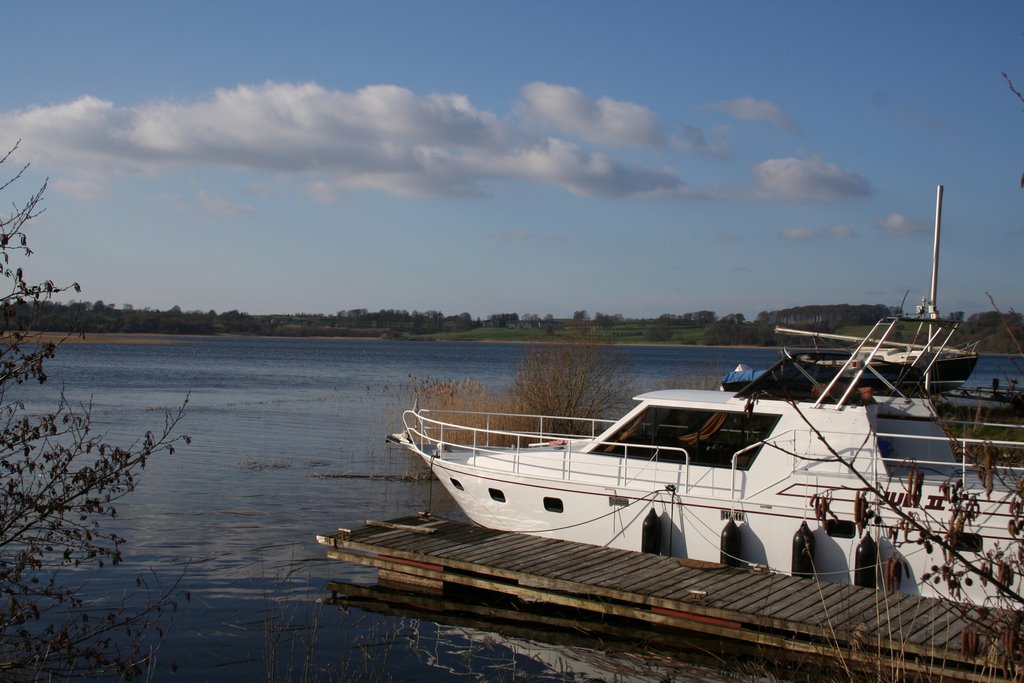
(925, 635)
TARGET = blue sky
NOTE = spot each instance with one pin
(530, 157)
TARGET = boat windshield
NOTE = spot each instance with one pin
(710, 437)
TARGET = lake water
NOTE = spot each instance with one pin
(288, 441)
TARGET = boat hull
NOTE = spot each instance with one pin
(690, 526)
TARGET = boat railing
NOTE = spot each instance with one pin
(612, 462)
(622, 464)
(965, 425)
(538, 427)
(966, 452)
(618, 463)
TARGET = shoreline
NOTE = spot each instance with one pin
(61, 338)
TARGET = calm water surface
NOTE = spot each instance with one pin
(288, 442)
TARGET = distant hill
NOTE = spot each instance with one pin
(993, 331)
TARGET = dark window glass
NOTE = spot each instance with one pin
(497, 494)
(710, 437)
(840, 528)
(457, 484)
(553, 504)
(972, 543)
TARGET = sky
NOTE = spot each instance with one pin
(532, 157)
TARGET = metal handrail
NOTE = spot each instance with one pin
(421, 436)
(963, 443)
(636, 458)
(591, 421)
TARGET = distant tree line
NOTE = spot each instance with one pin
(826, 318)
(993, 330)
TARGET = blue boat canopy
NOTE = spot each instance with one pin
(741, 375)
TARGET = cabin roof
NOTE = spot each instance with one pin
(686, 396)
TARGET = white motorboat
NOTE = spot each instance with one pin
(813, 469)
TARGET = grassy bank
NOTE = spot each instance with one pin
(617, 334)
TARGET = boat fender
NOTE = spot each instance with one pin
(730, 554)
(650, 538)
(803, 551)
(864, 567)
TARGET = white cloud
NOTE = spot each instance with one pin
(603, 121)
(380, 137)
(566, 165)
(801, 234)
(898, 224)
(807, 180)
(388, 139)
(693, 141)
(750, 109)
(805, 234)
(841, 230)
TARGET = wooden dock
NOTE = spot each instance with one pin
(914, 635)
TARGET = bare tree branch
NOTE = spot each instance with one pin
(59, 482)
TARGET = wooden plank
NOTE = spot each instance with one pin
(493, 547)
(616, 571)
(546, 548)
(431, 545)
(549, 556)
(679, 576)
(565, 573)
(530, 577)
(748, 602)
(444, 545)
(538, 565)
(411, 528)
(899, 610)
(785, 602)
(680, 581)
(761, 588)
(375, 535)
(711, 583)
(574, 554)
(849, 604)
(937, 621)
(613, 567)
(637, 586)
(726, 590)
(411, 582)
(637, 581)
(922, 638)
(461, 542)
(694, 616)
(511, 556)
(816, 613)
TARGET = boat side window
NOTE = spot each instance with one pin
(710, 437)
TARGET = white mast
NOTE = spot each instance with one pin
(933, 310)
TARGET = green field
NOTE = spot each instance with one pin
(632, 333)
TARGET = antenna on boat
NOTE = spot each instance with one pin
(933, 310)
